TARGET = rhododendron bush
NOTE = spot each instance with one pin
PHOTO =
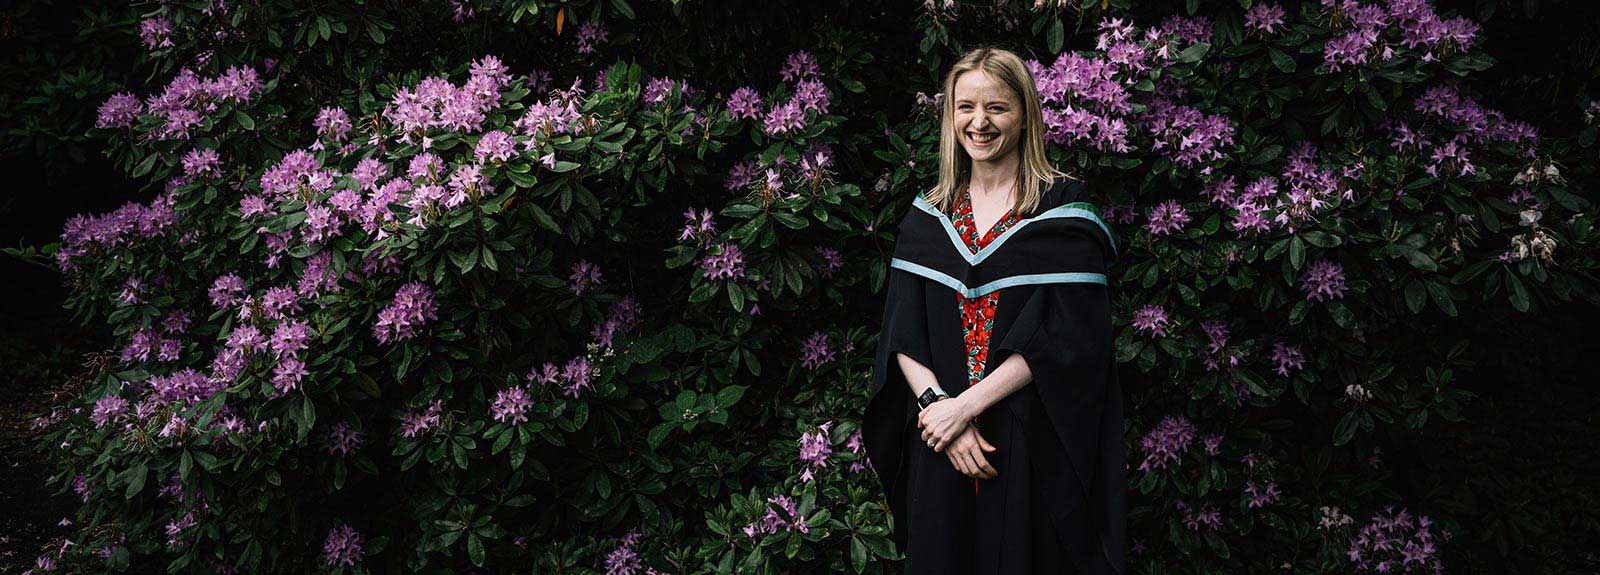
(547, 298)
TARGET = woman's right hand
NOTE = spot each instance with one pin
(966, 454)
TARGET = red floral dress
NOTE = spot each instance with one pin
(977, 314)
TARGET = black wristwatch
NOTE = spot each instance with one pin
(929, 396)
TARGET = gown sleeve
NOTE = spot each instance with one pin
(890, 408)
(1064, 333)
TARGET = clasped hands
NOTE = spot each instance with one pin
(948, 423)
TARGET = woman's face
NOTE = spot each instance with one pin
(988, 117)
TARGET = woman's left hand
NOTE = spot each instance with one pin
(944, 421)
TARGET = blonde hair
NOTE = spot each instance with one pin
(1034, 172)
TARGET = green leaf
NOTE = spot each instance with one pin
(1441, 297)
(308, 415)
(1322, 239)
(144, 166)
(1519, 292)
(1055, 36)
(1282, 61)
(375, 32)
(464, 260)
(136, 477)
(1415, 257)
(244, 120)
(1194, 53)
(1276, 249)
(1297, 252)
(1346, 428)
(623, 8)
(730, 395)
(858, 555)
(475, 549)
(658, 434)
(1416, 296)
(543, 218)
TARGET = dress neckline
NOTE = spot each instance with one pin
(966, 198)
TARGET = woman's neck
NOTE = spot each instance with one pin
(990, 178)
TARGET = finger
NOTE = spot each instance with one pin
(977, 471)
(985, 443)
(984, 467)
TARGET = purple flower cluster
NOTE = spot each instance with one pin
(1186, 135)
(108, 409)
(831, 261)
(177, 528)
(773, 521)
(435, 103)
(791, 116)
(156, 32)
(575, 376)
(740, 175)
(201, 162)
(745, 103)
(496, 147)
(814, 352)
(1168, 217)
(1286, 358)
(184, 103)
(185, 386)
(622, 318)
(1206, 517)
(657, 89)
(1478, 125)
(589, 36)
(1323, 280)
(1167, 442)
(342, 547)
(727, 263)
(81, 486)
(1152, 319)
(1263, 17)
(799, 65)
(623, 560)
(123, 226)
(332, 124)
(700, 228)
(1417, 24)
(422, 420)
(1395, 542)
(1260, 494)
(343, 440)
(815, 448)
(1217, 352)
(857, 446)
(412, 308)
(584, 276)
(511, 405)
(119, 111)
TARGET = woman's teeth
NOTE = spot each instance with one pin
(982, 137)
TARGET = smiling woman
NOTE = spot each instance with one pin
(998, 282)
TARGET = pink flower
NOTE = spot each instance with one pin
(1323, 280)
(1166, 218)
(1151, 319)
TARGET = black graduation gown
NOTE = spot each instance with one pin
(1058, 503)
